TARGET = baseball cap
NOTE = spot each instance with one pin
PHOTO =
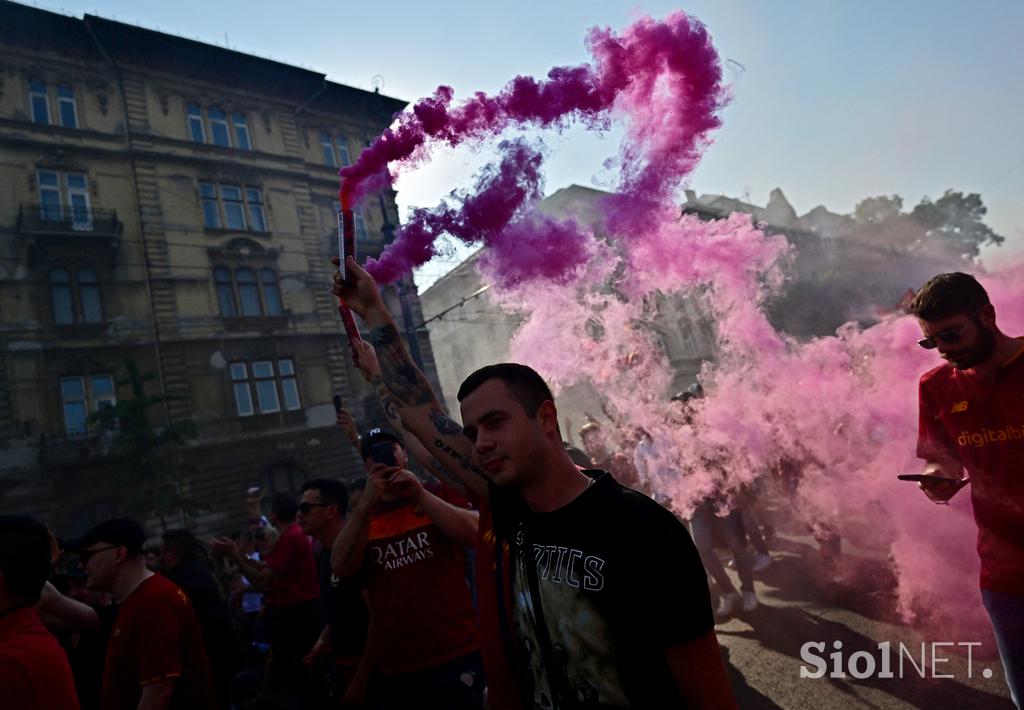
(375, 435)
(119, 531)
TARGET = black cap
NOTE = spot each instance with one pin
(119, 531)
(375, 435)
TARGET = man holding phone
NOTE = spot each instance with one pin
(972, 417)
(407, 546)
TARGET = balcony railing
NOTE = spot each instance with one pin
(67, 220)
(63, 228)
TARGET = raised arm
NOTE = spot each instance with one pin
(366, 360)
(458, 524)
(350, 545)
(414, 399)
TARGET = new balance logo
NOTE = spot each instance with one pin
(960, 407)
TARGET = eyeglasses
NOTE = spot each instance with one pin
(86, 555)
(953, 335)
(304, 508)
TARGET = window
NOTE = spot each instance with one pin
(66, 105)
(256, 217)
(219, 128)
(289, 386)
(82, 396)
(49, 196)
(335, 150)
(39, 98)
(328, 150)
(226, 206)
(360, 227)
(75, 305)
(217, 125)
(196, 131)
(89, 294)
(240, 383)
(241, 131)
(58, 191)
(271, 295)
(60, 294)
(239, 293)
(248, 293)
(266, 388)
(225, 292)
(272, 387)
(234, 209)
(211, 211)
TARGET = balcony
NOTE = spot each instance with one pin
(54, 226)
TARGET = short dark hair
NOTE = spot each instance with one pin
(183, 542)
(527, 387)
(284, 507)
(948, 295)
(330, 491)
(24, 556)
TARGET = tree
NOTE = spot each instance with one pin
(954, 221)
(145, 466)
(875, 210)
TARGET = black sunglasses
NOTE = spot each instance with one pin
(953, 335)
(85, 555)
(304, 508)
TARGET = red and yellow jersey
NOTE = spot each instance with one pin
(416, 579)
(980, 424)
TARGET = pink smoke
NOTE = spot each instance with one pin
(661, 78)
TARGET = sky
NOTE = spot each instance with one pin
(832, 101)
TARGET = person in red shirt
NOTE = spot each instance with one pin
(155, 655)
(34, 671)
(972, 418)
(289, 575)
(408, 544)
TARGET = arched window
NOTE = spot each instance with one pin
(271, 294)
(89, 293)
(60, 292)
(248, 292)
(225, 292)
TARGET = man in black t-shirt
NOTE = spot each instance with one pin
(607, 601)
(342, 642)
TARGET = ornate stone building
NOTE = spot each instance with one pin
(173, 202)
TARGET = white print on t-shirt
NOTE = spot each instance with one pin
(567, 565)
(400, 553)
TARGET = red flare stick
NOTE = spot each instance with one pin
(346, 248)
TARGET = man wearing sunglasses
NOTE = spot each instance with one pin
(156, 657)
(972, 419)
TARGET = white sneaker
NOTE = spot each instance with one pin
(762, 562)
(749, 602)
(727, 604)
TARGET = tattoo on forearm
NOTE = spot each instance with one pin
(404, 380)
(444, 424)
(462, 460)
(387, 400)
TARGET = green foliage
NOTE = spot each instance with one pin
(954, 220)
(145, 470)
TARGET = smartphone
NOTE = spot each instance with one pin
(337, 404)
(383, 452)
(928, 478)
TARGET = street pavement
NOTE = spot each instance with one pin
(801, 603)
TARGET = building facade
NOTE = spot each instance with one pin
(174, 202)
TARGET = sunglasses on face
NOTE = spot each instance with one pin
(949, 337)
(304, 508)
(86, 555)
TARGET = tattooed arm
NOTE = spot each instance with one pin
(366, 360)
(414, 399)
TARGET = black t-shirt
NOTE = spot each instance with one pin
(620, 580)
(343, 609)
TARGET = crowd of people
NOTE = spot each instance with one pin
(514, 571)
